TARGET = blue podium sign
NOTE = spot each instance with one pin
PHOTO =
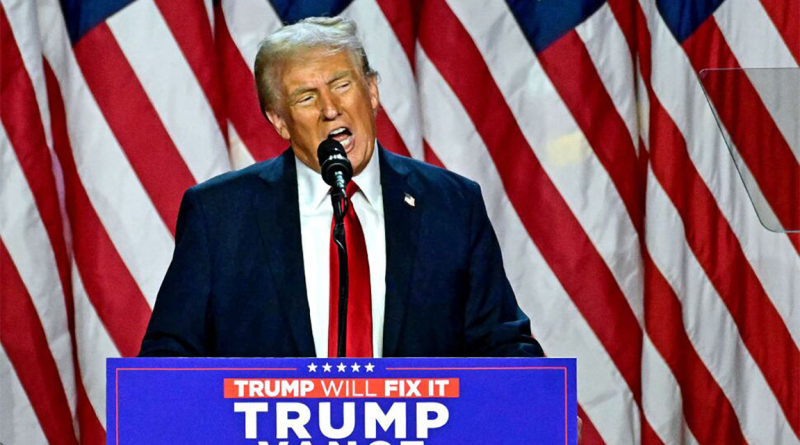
(341, 402)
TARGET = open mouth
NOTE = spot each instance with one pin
(343, 135)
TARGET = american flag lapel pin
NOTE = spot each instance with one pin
(409, 200)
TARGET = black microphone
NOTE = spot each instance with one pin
(335, 168)
(336, 171)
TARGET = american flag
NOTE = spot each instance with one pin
(626, 231)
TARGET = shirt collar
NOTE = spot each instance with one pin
(313, 191)
(369, 180)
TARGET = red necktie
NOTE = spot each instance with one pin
(359, 311)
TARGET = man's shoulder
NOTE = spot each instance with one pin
(237, 182)
(431, 177)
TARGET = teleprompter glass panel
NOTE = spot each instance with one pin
(758, 114)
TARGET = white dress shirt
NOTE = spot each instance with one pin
(316, 214)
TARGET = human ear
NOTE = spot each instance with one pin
(278, 123)
(374, 96)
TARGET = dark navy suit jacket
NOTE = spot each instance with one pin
(236, 284)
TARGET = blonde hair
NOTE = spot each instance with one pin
(333, 33)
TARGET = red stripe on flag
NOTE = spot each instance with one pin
(569, 66)
(19, 112)
(430, 155)
(711, 239)
(707, 410)
(134, 121)
(649, 436)
(785, 15)
(719, 252)
(589, 433)
(624, 12)
(112, 290)
(388, 135)
(191, 28)
(23, 338)
(243, 108)
(402, 16)
(92, 432)
(574, 75)
(25, 130)
(749, 124)
(565, 246)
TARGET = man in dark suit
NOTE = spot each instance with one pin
(246, 278)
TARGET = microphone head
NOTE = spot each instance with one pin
(332, 159)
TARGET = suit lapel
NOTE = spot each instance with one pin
(278, 217)
(401, 225)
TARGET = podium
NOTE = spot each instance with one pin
(341, 401)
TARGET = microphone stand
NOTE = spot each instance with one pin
(340, 207)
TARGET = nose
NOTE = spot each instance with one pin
(329, 105)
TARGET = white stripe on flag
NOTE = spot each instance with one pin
(209, 5)
(94, 347)
(18, 424)
(608, 398)
(558, 142)
(25, 26)
(28, 244)
(115, 191)
(397, 87)
(643, 109)
(774, 90)
(611, 56)
(239, 154)
(756, 43)
(456, 141)
(249, 22)
(752, 36)
(710, 326)
(771, 255)
(182, 107)
(661, 399)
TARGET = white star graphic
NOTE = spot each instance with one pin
(326, 367)
(369, 367)
(355, 367)
(341, 367)
(312, 368)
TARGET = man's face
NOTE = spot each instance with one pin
(324, 94)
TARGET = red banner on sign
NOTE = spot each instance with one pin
(341, 388)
